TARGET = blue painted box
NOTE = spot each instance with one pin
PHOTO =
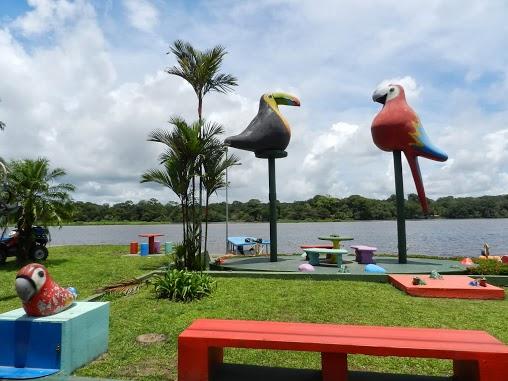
(61, 342)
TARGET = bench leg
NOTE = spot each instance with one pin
(339, 260)
(481, 370)
(313, 259)
(334, 366)
(197, 361)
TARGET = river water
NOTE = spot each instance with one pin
(429, 237)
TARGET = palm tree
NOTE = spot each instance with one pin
(201, 70)
(40, 200)
(186, 147)
(179, 160)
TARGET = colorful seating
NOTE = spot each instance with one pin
(364, 254)
(476, 355)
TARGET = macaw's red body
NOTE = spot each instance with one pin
(40, 294)
(397, 128)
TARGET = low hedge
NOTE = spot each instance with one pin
(489, 267)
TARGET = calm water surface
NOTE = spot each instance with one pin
(431, 237)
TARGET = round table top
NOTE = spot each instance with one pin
(150, 235)
(335, 238)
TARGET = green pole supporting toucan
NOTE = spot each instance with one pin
(272, 196)
(401, 217)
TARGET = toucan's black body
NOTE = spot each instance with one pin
(268, 130)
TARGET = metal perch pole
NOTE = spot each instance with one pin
(401, 217)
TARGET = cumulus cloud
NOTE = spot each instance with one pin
(142, 14)
(84, 88)
(48, 15)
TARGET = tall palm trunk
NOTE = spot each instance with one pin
(206, 222)
(200, 117)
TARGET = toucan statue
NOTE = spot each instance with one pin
(269, 130)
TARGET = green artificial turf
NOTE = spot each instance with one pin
(345, 302)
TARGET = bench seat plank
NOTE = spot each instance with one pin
(469, 349)
(348, 335)
(313, 254)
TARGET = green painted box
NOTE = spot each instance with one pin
(65, 341)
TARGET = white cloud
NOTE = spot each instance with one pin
(142, 14)
(83, 89)
(49, 15)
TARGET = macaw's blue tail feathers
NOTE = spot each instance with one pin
(431, 152)
(428, 150)
(417, 177)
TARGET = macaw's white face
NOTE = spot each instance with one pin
(386, 93)
(30, 281)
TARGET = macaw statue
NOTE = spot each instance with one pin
(269, 130)
(397, 127)
(40, 294)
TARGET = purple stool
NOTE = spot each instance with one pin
(364, 254)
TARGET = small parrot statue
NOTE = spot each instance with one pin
(40, 294)
(269, 130)
(397, 127)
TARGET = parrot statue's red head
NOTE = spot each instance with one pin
(389, 93)
(40, 295)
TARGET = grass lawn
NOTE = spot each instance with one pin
(88, 267)
(84, 267)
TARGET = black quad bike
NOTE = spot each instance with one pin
(38, 251)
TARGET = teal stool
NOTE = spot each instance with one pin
(168, 247)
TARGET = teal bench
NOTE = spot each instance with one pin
(314, 252)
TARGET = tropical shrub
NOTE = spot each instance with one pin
(489, 267)
(41, 200)
(183, 286)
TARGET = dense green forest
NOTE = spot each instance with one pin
(318, 208)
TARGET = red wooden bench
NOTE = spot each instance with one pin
(476, 355)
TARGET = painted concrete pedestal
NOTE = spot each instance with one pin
(38, 346)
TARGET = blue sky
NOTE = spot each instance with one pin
(84, 83)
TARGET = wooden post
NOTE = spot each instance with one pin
(401, 217)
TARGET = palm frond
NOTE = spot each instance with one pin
(127, 287)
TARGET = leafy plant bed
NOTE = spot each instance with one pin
(325, 301)
(488, 267)
(183, 286)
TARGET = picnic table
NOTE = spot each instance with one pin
(336, 239)
(151, 241)
(241, 244)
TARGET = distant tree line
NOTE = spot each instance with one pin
(318, 208)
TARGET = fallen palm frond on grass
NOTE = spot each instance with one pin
(127, 287)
